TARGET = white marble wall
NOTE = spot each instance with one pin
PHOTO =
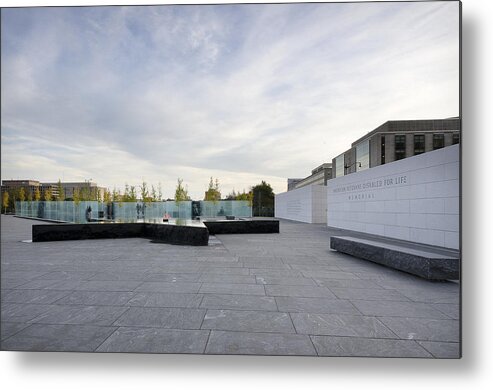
(306, 204)
(414, 199)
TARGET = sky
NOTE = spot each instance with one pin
(241, 93)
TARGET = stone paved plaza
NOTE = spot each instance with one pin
(261, 294)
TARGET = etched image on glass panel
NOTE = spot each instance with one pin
(363, 156)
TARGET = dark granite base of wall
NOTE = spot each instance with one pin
(197, 235)
(249, 226)
(422, 263)
(170, 234)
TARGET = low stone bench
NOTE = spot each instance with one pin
(243, 226)
(166, 233)
(420, 262)
(183, 233)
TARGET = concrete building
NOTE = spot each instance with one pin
(396, 140)
(320, 175)
(30, 186)
(68, 187)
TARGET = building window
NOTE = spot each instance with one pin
(340, 165)
(363, 156)
(419, 144)
(438, 141)
(455, 138)
(382, 150)
(400, 147)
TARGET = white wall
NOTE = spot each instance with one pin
(306, 204)
(414, 199)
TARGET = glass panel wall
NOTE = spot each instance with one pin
(93, 211)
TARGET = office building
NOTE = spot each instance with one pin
(319, 176)
(396, 140)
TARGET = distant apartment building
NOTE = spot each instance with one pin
(395, 140)
(68, 187)
(29, 185)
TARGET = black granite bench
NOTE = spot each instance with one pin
(421, 262)
(243, 226)
(189, 233)
(166, 233)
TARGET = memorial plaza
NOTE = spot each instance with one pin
(260, 294)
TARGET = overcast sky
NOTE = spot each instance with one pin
(243, 93)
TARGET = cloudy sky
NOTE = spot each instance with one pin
(243, 93)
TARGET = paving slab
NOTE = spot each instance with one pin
(80, 315)
(10, 328)
(96, 298)
(398, 309)
(156, 299)
(22, 312)
(245, 343)
(172, 287)
(248, 321)
(116, 276)
(298, 291)
(32, 296)
(423, 328)
(37, 337)
(238, 302)
(340, 325)
(231, 288)
(418, 295)
(368, 347)
(370, 294)
(152, 340)
(346, 283)
(286, 280)
(450, 310)
(230, 279)
(168, 318)
(172, 277)
(336, 274)
(109, 285)
(265, 272)
(315, 305)
(442, 350)
(67, 275)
